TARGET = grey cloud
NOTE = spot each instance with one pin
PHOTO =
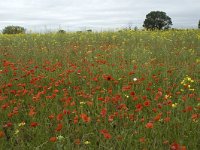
(76, 14)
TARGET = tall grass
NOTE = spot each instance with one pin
(109, 90)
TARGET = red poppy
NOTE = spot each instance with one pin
(126, 88)
(138, 107)
(51, 116)
(176, 146)
(158, 95)
(167, 119)
(85, 118)
(53, 139)
(75, 119)
(77, 141)
(147, 103)
(56, 91)
(149, 125)
(131, 73)
(105, 133)
(157, 117)
(195, 116)
(111, 118)
(1, 134)
(135, 98)
(142, 140)
(34, 124)
(107, 77)
(154, 110)
(95, 79)
(32, 112)
(107, 136)
(9, 124)
(132, 93)
(59, 127)
(103, 112)
(59, 116)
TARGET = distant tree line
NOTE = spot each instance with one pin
(14, 30)
(155, 20)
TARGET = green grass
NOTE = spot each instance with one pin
(80, 89)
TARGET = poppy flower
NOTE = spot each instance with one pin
(157, 117)
(111, 118)
(53, 139)
(149, 125)
(105, 133)
(194, 117)
(138, 107)
(142, 140)
(51, 116)
(1, 134)
(95, 79)
(59, 116)
(103, 112)
(32, 112)
(85, 118)
(132, 93)
(75, 119)
(167, 119)
(126, 88)
(59, 127)
(9, 124)
(174, 146)
(147, 103)
(107, 77)
(77, 141)
(34, 124)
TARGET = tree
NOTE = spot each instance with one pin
(89, 30)
(13, 30)
(61, 31)
(157, 20)
(199, 24)
(135, 28)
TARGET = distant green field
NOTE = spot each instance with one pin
(137, 90)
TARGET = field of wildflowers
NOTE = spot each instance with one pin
(110, 90)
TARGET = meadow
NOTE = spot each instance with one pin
(126, 90)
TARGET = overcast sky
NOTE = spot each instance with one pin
(94, 14)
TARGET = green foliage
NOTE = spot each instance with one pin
(61, 31)
(14, 30)
(157, 20)
(135, 28)
(89, 30)
(199, 25)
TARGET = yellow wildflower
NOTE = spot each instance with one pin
(21, 124)
(16, 131)
(87, 142)
(174, 105)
